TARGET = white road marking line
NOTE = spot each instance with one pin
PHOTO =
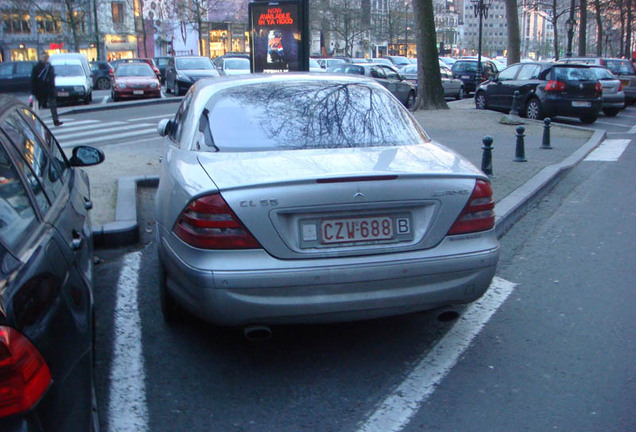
(612, 124)
(610, 150)
(127, 403)
(150, 118)
(100, 139)
(105, 99)
(632, 130)
(69, 122)
(396, 411)
(75, 130)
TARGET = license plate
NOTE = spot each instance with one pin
(356, 229)
(625, 82)
(62, 93)
(581, 104)
(465, 77)
(138, 92)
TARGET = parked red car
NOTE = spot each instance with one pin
(150, 62)
(135, 80)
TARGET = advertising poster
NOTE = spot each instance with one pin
(279, 36)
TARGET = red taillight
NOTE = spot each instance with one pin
(555, 86)
(24, 375)
(209, 223)
(479, 212)
(620, 87)
(599, 87)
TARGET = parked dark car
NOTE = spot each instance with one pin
(161, 63)
(398, 61)
(622, 68)
(466, 70)
(16, 75)
(385, 75)
(135, 81)
(46, 300)
(546, 89)
(102, 71)
(182, 72)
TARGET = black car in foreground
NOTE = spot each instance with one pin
(546, 89)
(16, 76)
(46, 265)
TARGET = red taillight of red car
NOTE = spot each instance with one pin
(620, 87)
(555, 86)
(209, 223)
(24, 375)
(479, 212)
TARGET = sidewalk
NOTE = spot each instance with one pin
(462, 128)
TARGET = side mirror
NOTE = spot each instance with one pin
(86, 156)
(164, 127)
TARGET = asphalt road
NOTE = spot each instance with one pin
(556, 355)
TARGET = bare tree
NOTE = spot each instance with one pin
(555, 9)
(430, 93)
(73, 15)
(345, 19)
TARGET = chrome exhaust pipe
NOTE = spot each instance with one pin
(447, 314)
(257, 333)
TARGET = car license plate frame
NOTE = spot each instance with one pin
(138, 92)
(63, 93)
(581, 104)
(465, 76)
(357, 229)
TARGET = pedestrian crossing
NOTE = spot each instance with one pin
(99, 132)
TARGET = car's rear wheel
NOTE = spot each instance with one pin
(480, 101)
(460, 93)
(588, 119)
(611, 112)
(171, 311)
(410, 100)
(534, 110)
(103, 83)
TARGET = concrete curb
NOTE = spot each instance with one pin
(510, 209)
(125, 230)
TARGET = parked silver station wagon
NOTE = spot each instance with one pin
(305, 198)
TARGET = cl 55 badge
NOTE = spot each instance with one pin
(451, 192)
(260, 203)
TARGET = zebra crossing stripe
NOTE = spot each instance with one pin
(609, 151)
(80, 130)
(94, 139)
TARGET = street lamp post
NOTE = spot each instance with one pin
(481, 10)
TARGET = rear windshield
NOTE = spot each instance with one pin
(305, 115)
(237, 64)
(68, 70)
(603, 74)
(620, 67)
(461, 66)
(562, 73)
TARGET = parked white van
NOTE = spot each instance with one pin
(73, 77)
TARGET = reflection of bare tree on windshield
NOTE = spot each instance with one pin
(302, 115)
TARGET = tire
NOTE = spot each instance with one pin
(410, 100)
(170, 310)
(588, 119)
(460, 94)
(103, 83)
(534, 110)
(611, 112)
(480, 101)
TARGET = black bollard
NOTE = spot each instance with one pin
(486, 157)
(520, 152)
(515, 104)
(546, 134)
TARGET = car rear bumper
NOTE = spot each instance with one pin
(129, 94)
(312, 291)
(564, 107)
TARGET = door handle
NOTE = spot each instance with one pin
(88, 204)
(77, 241)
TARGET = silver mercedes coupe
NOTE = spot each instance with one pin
(312, 198)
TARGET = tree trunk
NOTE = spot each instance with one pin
(430, 91)
(556, 31)
(628, 37)
(583, 28)
(514, 37)
(599, 26)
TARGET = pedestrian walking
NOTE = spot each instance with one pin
(43, 86)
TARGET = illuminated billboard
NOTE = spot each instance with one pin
(279, 36)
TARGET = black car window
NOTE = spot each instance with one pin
(529, 71)
(603, 73)
(390, 73)
(17, 217)
(352, 69)
(6, 70)
(377, 72)
(573, 74)
(509, 73)
(316, 115)
(46, 137)
(463, 66)
(36, 161)
(620, 67)
(23, 68)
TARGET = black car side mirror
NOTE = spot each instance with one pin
(86, 156)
